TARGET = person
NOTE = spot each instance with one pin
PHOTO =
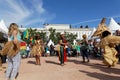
(63, 55)
(0, 63)
(12, 48)
(107, 43)
(117, 47)
(0, 59)
(84, 48)
(28, 50)
(37, 50)
(52, 51)
(69, 50)
(74, 51)
(47, 52)
(3, 57)
(78, 49)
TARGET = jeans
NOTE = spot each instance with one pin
(13, 66)
(85, 54)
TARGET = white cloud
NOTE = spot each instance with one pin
(23, 12)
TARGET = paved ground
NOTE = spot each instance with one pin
(73, 70)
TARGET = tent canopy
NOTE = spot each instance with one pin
(3, 27)
(50, 42)
(113, 26)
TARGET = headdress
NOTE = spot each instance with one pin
(101, 28)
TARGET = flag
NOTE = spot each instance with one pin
(26, 34)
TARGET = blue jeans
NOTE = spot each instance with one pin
(85, 54)
(13, 66)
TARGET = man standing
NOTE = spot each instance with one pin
(63, 56)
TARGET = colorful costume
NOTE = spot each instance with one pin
(63, 55)
(37, 51)
(107, 43)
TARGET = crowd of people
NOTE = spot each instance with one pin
(104, 48)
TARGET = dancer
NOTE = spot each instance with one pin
(107, 43)
(37, 49)
(84, 48)
(11, 49)
(63, 55)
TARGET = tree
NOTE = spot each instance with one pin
(70, 37)
(32, 32)
(52, 35)
(57, 37)
(42, 35)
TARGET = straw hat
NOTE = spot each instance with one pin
(101, 28)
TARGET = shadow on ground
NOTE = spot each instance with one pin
(103, 68)
(51, 62)
(31, 62)
(99, 66)
(74, 61)
(100, 76)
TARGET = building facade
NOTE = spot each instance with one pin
(65, 28)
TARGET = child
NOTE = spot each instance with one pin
(12, 48)
(78, 49)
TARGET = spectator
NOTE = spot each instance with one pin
(78, 48)
(28, 50)
(52, 51)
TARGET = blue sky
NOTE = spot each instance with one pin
(34, 13)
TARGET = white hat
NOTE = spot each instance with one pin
(61, 33)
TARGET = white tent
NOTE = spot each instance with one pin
(50, 42)
(113, 26)
(74, 42)
(3, 27)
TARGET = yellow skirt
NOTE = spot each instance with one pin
(110, 58)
